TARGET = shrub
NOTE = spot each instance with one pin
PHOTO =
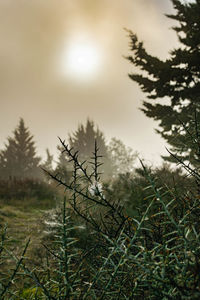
(25, 189)
(153, 254)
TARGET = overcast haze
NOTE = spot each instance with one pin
(38, 83)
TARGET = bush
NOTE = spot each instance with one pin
(25, 189)
(153, 254)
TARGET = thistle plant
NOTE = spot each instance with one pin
(152, 255)
(8, 279)
(155, 256)
(86, 194)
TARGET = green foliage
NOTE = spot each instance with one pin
(188, 137)
(151, 253)
(8, 279)
(155, 253)
(130, 191)
(31, 293)
(176, 78)
(18, 159)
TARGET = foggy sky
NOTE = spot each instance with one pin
(32, 37)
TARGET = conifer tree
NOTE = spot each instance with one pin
(48, 163)
(63, 167)
(176, 78)
(18, 159)
(83, 141)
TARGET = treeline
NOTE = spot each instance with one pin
(22, 171)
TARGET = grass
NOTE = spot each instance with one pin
(24, 219)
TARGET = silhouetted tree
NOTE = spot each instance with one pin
(18, 159)
(63, 167)
(176, 78)
(48, 163)
(83, 141)
(84, 137)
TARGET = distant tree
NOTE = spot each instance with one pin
(83, 141)
(122, 157)
(116, 157)
(18, 159)
(177, 79)
(48, 163)
(64, 168)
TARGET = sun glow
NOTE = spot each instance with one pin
(80, 59)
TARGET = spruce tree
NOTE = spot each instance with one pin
(18, 159)
(83, 141)
(177, 79)
(84, 138)
(48, 163)
(64, 168)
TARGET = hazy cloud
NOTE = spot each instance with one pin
(32, 36)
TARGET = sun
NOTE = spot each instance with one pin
(80, 59)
